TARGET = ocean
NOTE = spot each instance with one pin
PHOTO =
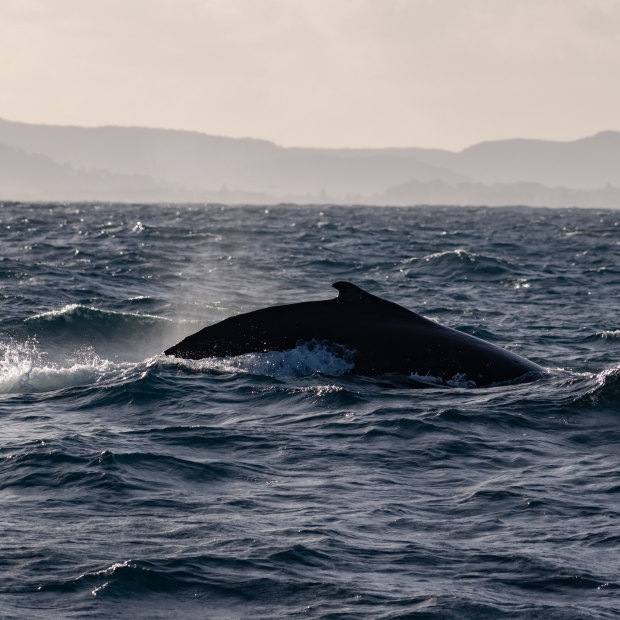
(278, 485)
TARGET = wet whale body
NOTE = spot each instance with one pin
(382, 336)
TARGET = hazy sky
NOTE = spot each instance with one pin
(435, 73)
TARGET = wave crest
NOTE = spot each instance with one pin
(113, 335)
(25, 369)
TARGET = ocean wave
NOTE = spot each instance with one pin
(223, 581)
(602, 389)
(128, 574)
(67, 465)
(607, 335)
(610, 334)
(469, 262)
(270, 485)
(24, 369)
(78, 318)
(121, 336)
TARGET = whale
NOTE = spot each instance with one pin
(380, 336)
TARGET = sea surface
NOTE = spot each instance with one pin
(279, 485)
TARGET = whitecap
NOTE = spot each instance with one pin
(25, 369)
(306, 359)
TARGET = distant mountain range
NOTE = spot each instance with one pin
(135, 164)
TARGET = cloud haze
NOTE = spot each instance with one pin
(435, 73)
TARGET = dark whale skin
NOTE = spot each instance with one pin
(385, 338)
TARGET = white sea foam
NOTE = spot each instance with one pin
(304, 360)
(65, 311)
(610, 334)
(25, 369)
(458, 252)
(459, 380)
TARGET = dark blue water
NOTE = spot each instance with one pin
(277, 485)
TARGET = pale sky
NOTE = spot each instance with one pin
(335, 73)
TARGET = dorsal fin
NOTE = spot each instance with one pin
(351, 293)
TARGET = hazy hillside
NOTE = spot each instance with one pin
(30, 176)
(210, 163)
(588, 163)
(46, 162)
